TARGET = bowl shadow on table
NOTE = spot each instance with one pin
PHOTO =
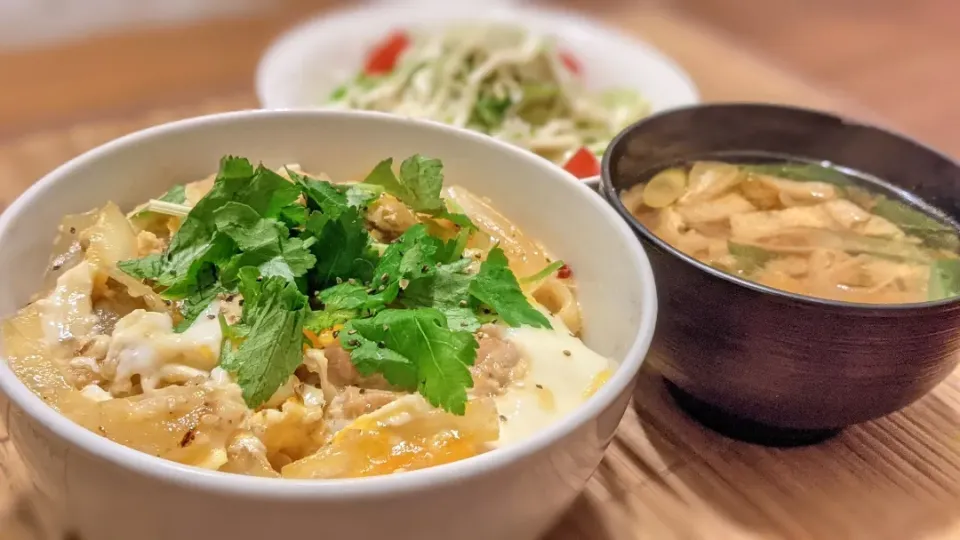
(897, 477)
(628, 496)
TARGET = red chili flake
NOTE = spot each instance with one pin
(564, 272)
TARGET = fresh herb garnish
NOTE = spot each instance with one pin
(301, 256)
(543, 274)
(272, 349)
(803, 172)
(193, 305)
(340, 304)
(497, 287)
(177, 195)
(944, 279)
(415, 349)
(170, 203)
(418, 185)
(749, 258)
(913, 221)
(447, 289)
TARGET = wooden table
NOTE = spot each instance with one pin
(664, 476)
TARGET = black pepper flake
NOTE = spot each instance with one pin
(540, 386)
(240, 303)
(188, 438)
(385, 278)
(259, 278)
(503, 418)
(230, 297)
(336, 333)
(73, 230)
(57, 266)
(168, 302)
(363, 391)
(354, 343)
(486, 311)
(566, 352)
(211, 316)
(424, 268)
(381, 345)
(102, 429)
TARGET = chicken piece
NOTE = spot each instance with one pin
(354, 402)
(498, 364)
(149, 244)
(247, 455)
(341, 371)
(84, 370)
(390, 217)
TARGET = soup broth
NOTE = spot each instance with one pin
(805, 228)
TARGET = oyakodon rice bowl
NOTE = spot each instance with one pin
(522, 478)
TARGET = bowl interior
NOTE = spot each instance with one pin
(345, 146)
(307, 64)
(694, 132)
(890, 164)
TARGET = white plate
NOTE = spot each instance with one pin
(304, 66)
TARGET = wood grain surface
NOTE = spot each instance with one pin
(664, 476)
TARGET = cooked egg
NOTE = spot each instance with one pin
(144, 344)
(404, 435)
(562, 374)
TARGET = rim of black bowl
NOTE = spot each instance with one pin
(613, 198)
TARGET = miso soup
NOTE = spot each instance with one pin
(803, 228)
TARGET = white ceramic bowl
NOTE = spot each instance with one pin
(303, 67)
(105, 491)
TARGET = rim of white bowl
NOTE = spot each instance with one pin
(300, 32)
(339, 489)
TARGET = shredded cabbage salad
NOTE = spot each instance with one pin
(509, 83)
